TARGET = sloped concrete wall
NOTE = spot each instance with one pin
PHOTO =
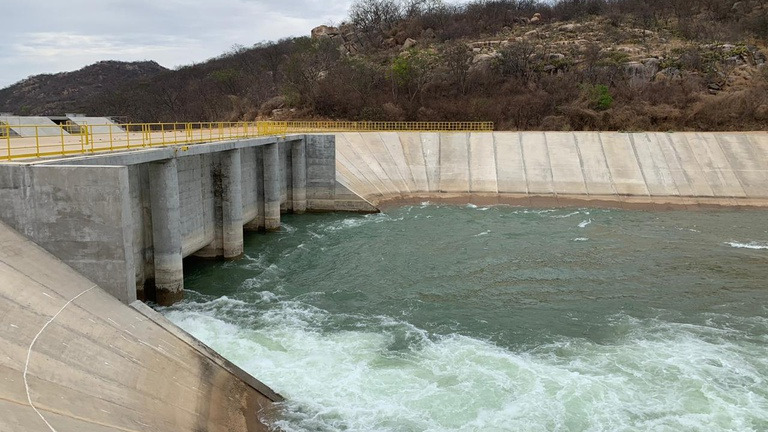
(75, 358)
(723, 169)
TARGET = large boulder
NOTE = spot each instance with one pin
(668, 74)
(645, 69)
(324, 31)
(484, 62)
(533, 34)
(569, 28)
(759, 57)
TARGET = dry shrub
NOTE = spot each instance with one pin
(555, 123)
(729, 111)
(272, 104)
(581, 118)
(393, 112)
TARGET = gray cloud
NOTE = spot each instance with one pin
(45, 36)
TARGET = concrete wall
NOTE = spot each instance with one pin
(558, 168)
(253, 192)
(196, 196)
(324, 192)
(81, 214)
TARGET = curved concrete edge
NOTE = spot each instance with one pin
(557, 201)
(686, 170)
(74, 358)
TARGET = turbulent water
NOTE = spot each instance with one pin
(439, 318)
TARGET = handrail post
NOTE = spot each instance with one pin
(37, 141)
(8, 139)
(61, 132)
(111, 140)
(84, 139)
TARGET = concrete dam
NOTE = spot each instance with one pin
(85, 237)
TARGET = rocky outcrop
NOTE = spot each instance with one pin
(345, 35)
(324, 31)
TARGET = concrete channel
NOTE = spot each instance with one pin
(84, 239)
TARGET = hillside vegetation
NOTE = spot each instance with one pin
(526, 65)
(70, 91)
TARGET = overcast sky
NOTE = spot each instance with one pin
(49, 36)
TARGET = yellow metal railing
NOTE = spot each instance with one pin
(68, 139)
(282, 127)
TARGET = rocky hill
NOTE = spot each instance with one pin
(68, 91)
(524, 64)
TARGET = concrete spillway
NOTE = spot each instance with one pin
(551, 168)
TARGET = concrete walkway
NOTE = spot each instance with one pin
(557, 168)
(73, 358)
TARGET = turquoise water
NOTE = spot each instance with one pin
(438, 318)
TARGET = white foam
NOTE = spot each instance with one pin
(393, 376)
(356, 222)
(484, 233)
(585, 223)
(750, 245)
(581, 239)
(566, 215)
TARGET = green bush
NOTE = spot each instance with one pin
(598, 97)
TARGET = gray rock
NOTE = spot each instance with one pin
(734, 61)
(480, 58)
(570, 28)
(670, 73)
(652, 65)
(531, 34)
(409, 43)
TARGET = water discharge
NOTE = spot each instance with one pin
(438, 318)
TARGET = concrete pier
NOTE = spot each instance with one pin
(166, 232)
(272, 194)
(231, 204)
(299, 176)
